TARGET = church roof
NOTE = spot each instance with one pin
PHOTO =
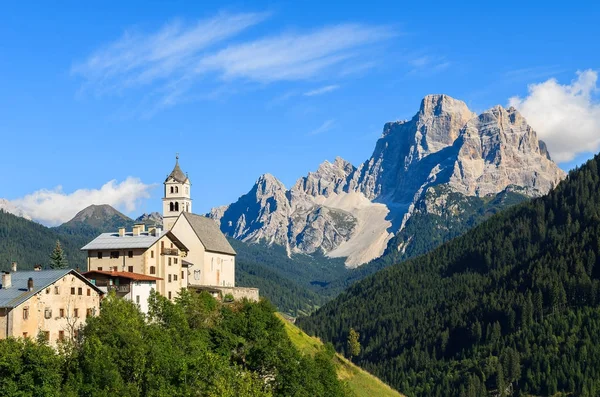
(177, 173)
(209, 233)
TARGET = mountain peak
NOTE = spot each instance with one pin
(439, 104)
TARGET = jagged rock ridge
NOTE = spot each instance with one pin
(353, 212)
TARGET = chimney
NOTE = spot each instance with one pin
(158, 231)
(37, 268)
(141, 226)
(121, 231)
(152, 231)
(6, 280)
(136, 230)
(30, 284)
(13, 267)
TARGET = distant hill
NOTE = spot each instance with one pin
(94, 220)
(510, 308)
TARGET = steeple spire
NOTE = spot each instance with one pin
(177, 173)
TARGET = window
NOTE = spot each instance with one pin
(24, 334)
(75, 312)
(152, 270)
(79, 291)
(61, 313)
(89, 313)
(130, 269)
(89, 292)
(25, 313)
(171, 207)
(171, 189)
(169, 261)
(174, 277)
(175, 260)
(176, 206)
(162, 245)
(137, 299)
(182, 275)
(130, 254)
(72, 290)
(187, 207)
(169, 294)
(151, 254)
(176, 189)
(61, 335)
(100, 269)
(47, 290)
(114, 254)
(171, 245)
(99, 254)
(48, 313)
(169, 278)
(56, 290)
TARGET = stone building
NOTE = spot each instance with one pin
(53, 304)
(153, 253)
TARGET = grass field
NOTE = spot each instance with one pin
(362, 383)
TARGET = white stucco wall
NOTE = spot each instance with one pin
(142, 290)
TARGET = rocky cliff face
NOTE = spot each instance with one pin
(353, 212)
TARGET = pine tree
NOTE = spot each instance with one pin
(353, 343)
(58, 259)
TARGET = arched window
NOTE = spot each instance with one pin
(176, 206)
(187, 207)
(171, 189)
(176, 189)
(171, 206)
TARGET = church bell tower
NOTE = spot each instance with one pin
(177, 198)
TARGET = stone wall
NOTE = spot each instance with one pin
(238, 293)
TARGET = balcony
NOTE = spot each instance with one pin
(123, 289)
(170, 251)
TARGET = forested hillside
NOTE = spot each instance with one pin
(29, 243)
(511, 306)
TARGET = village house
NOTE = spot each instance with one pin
(52, 304)
(134, 287)
(153, 253)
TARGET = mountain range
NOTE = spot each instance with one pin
(442, 161)
(512, 307)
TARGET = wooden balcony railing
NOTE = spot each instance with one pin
(170, 251)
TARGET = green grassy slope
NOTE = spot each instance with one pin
(362, 383)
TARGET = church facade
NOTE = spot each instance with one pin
(190, 252)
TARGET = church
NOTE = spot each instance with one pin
(190, 252)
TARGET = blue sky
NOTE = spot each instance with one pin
(100, 91)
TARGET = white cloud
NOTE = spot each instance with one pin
(326, 126)
(168, 54)
(294, 56)
(322, 90)
(53, 207)
(566, 117)
(177, 57)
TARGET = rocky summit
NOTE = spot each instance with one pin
(345, 211)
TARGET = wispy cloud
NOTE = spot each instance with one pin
(322, 90)
(175, 58)
(533, 73)
(326, 126)
(291, 57)
(53, 207)
(566, 117)
(170, 54)
(427, 64)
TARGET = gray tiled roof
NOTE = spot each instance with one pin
(107, 241)
(114, 241)
(17, 293)
(177, 174)
(209, 233)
